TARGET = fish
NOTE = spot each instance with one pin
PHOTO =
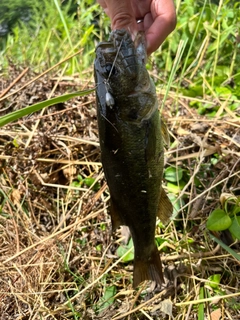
(131, 143)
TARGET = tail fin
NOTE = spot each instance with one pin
(150, 269)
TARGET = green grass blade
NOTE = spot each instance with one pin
(63, 22)
(38, 106)
(193, 39)
(201, 305)
(224, 246)
(177, 60)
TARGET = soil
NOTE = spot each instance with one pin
(55, 231)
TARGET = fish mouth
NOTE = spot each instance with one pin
(107, 47)
(122, 38)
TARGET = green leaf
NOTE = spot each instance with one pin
(38, 106)
(122, 249)
(218, 220)
(108, 298)
(177, 204)
(216, 279)
(236, 210)
(235, 227)
(79, 177)
(15, 143)
(208, 27)
(99, 247)
(173, 174)
(75, 184)
(172, 188)
(90, 181)
(223, 92)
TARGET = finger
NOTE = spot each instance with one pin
(103, 5)
(159, 24)
(121, 14)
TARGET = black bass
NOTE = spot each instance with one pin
(131, 147)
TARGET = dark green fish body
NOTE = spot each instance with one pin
(131, 147)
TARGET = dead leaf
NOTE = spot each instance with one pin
(16, 196)
(216, 314)
(182, 132)
(165, 306)
(70, 172)
(199, 127)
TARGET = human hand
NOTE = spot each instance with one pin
(157, 18)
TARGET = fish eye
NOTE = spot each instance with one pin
(110, 68)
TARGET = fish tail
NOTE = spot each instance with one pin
(150, 269)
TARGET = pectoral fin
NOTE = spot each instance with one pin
(165, 207)
(116, 217)
(150, 142)
(165, 134)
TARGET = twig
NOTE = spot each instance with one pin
(41, 75)
(226, 296)
(162, 293)
(192, 255)
(14, 82)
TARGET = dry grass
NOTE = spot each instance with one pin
(57, 257)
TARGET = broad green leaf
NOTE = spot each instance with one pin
(223, 92)
(216, 279)
(172, 188)
(224, 246)
(173, 174)
(218, 220)
(122, 249)
(99, 247)
(222, 70)
(236, 210)
(38, 106)
(79, 177)
(177, 204)
(90, 181)
(193, 91)
(108, 298)
(75, 184)
(235, 227)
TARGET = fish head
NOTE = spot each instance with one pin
(120, 63)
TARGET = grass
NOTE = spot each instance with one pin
(58, 260)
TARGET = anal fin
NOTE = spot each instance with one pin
(165, 207)
(116, 217)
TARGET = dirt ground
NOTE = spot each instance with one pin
(57, 256)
